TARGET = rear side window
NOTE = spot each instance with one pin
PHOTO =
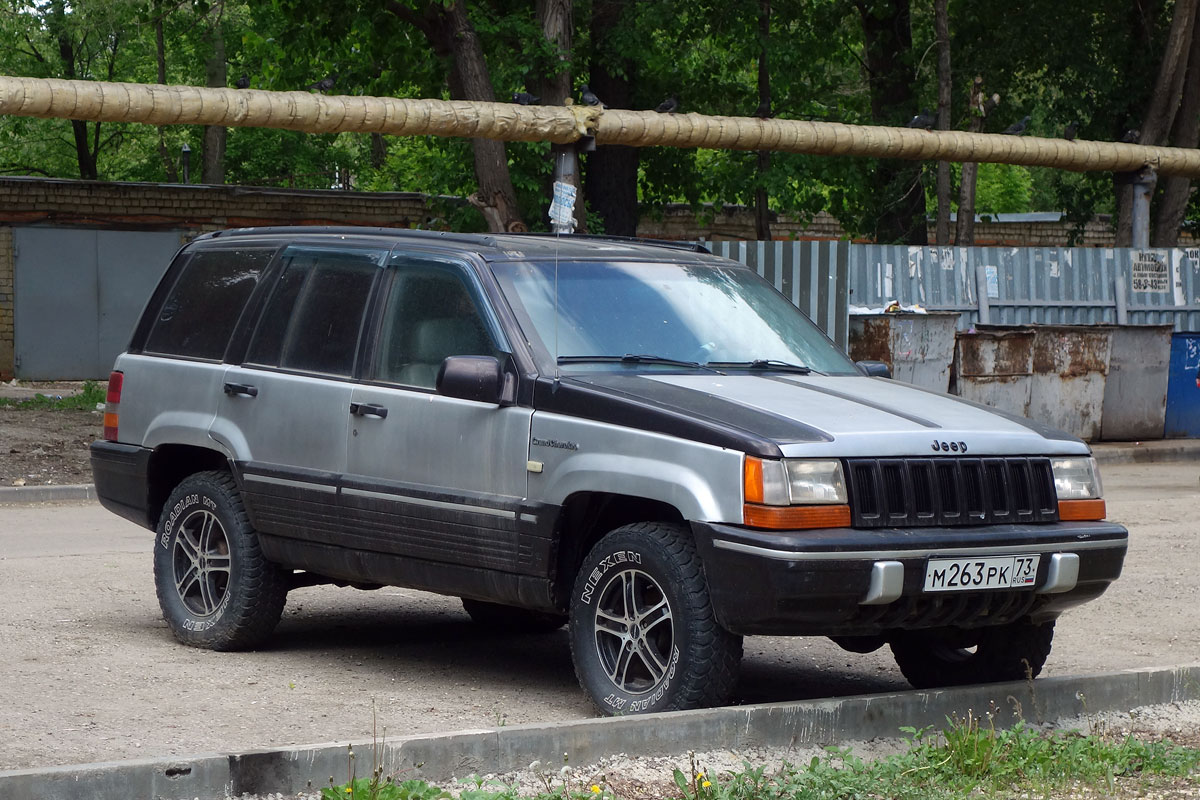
(203, 306)
(314, 317)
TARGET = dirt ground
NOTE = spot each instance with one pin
(40, 447)
(91, 672)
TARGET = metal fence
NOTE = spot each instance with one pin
(1022, 285)
(997, 285)
(813, 274)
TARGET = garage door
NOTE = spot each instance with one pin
(77, 295)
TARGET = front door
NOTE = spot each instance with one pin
(432, 477)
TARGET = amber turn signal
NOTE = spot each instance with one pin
(1079, 510)
(752, 480)
(795, 517)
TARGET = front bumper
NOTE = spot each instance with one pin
(848, 582)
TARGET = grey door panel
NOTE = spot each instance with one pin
(295, 420)
(438, 478)
(79, 293)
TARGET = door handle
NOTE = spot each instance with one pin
(243, 389)
(368, 410)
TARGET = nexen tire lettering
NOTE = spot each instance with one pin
(609, 561)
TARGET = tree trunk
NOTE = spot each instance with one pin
(898, 193)
(1165, 99)
(469, 80)
(942, 27)
(762, 211)
(66, 54)
(160, 60)
(1176, 189)
(216, 75)
(1168, 86)
(378, 150)
(557, 21)
(610, 184)
(964, 230)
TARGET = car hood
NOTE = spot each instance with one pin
(807, 415)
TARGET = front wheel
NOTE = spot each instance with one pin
(1011, 652)
(214, 586)
(643, 634)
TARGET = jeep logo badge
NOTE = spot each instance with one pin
(949, 447)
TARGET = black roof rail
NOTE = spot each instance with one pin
(476, 239)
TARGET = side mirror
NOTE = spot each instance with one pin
(478, 378)
(874, 369)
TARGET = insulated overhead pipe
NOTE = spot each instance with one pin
(316, 113)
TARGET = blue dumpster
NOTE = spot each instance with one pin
(1183, 387)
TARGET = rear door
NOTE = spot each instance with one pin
(432, 477)
(284, 411)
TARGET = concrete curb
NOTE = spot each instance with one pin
(440, 758)
(1147, 452)
(30, 495)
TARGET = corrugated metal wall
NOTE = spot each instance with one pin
(1019, 285)
(813, 274)
(1050, 285)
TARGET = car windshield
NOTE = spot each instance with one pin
(662, 313)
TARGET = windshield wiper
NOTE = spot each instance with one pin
(631, 358)
(763, 364)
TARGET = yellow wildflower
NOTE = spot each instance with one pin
(595, 789)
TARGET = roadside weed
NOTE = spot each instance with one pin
(86, 399)
(969, 758)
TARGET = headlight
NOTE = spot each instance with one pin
(815, 482)
(1076, 478)
(794, 482)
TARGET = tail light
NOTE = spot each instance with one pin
(112, 408)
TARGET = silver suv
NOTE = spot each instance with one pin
(640, 439)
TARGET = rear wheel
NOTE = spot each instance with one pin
(1011, 652)
(214, 586)
(643, 634)
(511, 618)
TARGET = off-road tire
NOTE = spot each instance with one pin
(697, 661)
(510, 619)
(1011, 652)
(215, 588)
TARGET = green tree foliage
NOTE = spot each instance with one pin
(704, 52)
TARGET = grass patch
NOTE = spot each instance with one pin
(86, 399)
(969, 759)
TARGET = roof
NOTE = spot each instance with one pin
(496, 247)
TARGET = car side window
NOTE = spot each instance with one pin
(202, 308)
(314, 317)
(432, 312)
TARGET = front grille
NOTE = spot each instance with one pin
(941, 492)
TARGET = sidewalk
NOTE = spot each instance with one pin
(1105, 452)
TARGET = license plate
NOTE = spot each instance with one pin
(992, 572)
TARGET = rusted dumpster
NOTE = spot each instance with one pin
(1070, 364)
(918, 348)
(993, 365)
(1092, 381)
(1135, 391)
